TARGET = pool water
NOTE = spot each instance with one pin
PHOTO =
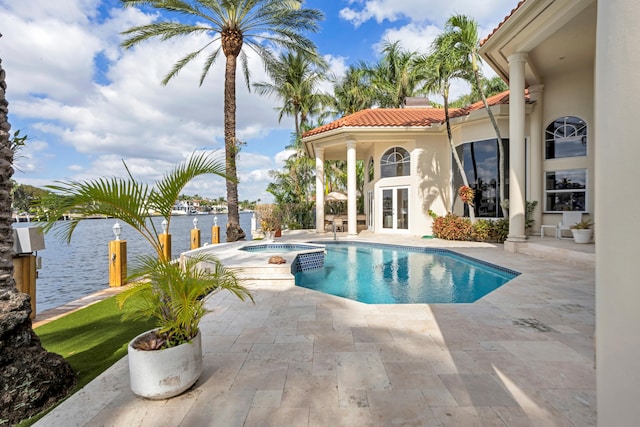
(385, 274)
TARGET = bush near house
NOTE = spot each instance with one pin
(453, 227)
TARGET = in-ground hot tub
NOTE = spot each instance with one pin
(300, 256)
(278, 248)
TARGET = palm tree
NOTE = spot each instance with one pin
(396, 76)
(232, 25)
(441, 67)
(32, 379)
(296, 75)
(464, 41)
(352, 93)
(129, 200)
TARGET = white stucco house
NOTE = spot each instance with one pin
(408, 163)
(573, 70)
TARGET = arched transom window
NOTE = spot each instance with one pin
(395, 162)
(566, 137)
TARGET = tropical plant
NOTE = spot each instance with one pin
(128, 199)
(174, 295)
(582, 225)
(295, 78)
(231, 25)
(169, 292)
(352, 92)
(396, 76)
(461, 34)
(441, 67)
(270, 217)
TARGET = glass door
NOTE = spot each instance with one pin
(395, 208)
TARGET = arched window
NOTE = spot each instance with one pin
(395, 162)
(370, 171)
(566, 137)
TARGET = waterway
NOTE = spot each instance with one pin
(71, 271)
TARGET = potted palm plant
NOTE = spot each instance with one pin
(166, 361)
(269, 220)
(582, 231)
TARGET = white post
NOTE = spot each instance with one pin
(516, 149)
(537, 148)
(617, 152)
(319, 190)
(352, 207)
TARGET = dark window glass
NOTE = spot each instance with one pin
(395, 162)
(566, 137)
(480, 161)
(566, 190)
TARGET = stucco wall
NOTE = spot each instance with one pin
(428, 182)
(617, 266)
(570, 94)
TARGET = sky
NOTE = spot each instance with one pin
(87, 105)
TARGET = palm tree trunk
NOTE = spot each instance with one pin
(472, 214)
(496, 129)
(234, 232)
(32, 379)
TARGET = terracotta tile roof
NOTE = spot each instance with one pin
(385, 117)
(403, 117)
(502, 22)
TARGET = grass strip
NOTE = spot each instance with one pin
(91, 339)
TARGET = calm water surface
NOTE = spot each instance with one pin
(381, 274)
(71, 271)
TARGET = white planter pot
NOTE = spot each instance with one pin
(161, 374)
(582, 235)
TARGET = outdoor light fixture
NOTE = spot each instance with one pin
(215, 220)
(164, 226)
(195, 223)
(117, 229)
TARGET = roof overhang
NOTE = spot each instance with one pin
(555, 34)
(333, 141)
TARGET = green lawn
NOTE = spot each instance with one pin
(91, 339)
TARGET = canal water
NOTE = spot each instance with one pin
(71, 271)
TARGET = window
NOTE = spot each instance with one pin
(566, 137)
(566, 190)
(480, 162)
(395, 162)
(370, 170)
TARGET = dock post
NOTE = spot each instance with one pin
(117, 259)
(195, 235)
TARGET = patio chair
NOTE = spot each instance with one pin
(568, 219)
(337, 224)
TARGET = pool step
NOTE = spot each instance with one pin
(266, 275)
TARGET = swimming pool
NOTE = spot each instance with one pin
(386, 274)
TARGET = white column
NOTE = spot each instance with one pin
(516, 149)
(352, 209)
(319, 190)
(617, 209)
(537, 147)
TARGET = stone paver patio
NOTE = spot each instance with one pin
(523, 355)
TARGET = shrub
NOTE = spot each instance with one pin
(483, 230)
(453, 227)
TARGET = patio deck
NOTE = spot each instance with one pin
(522, 355)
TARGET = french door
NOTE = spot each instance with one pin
(370, 211)
(395, 208)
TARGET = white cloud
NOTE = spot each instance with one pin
(420, 11)
(88, 103)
